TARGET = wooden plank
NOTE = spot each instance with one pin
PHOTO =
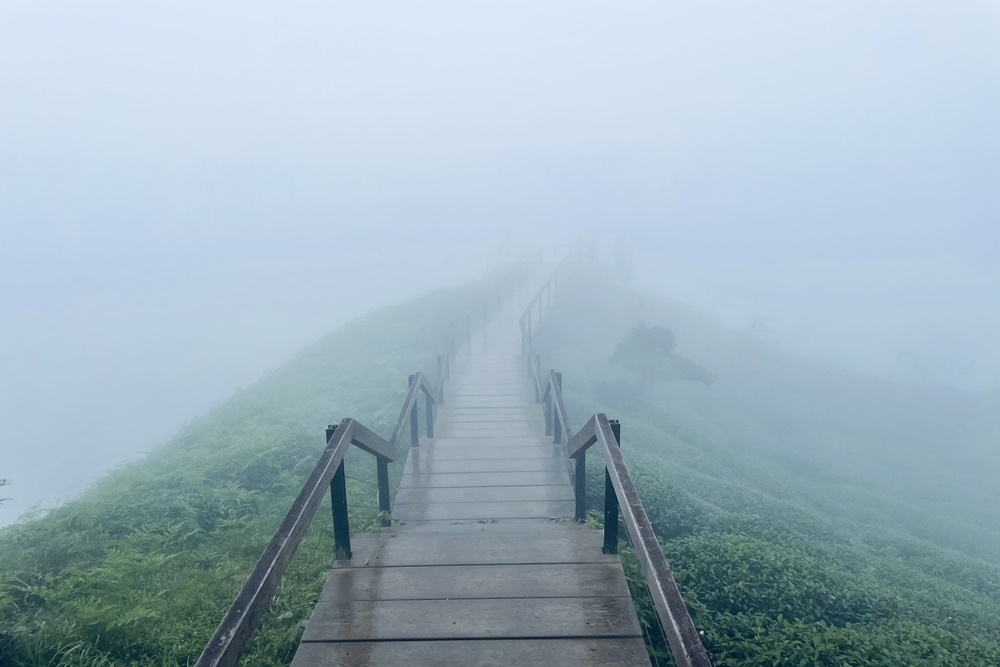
(449, 412)
(532, 509)
(486, 544)
(477, 431)
(601, 652)
(487, 418)
(446, 466)
(495, 410)
(496, 429)
(470, 442)
(484, 494)
(485, 453)
(491, 493)
(455, 582)
(513, 528)
(353, 620)
(480, 479)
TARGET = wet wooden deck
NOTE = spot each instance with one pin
(486, 565)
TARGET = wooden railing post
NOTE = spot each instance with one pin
(580, 487)
(338, 502)
(382, 473)
(414, 426)
(611, 498)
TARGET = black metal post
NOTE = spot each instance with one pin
(382, 470)
(580, 487)
(414, 426)
(538, 374)
(441, 376)
(338, 503)
(611, 499)
(548, 413)
(429, 415)
(557, 429)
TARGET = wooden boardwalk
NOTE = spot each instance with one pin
(486, 565)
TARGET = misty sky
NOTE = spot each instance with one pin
(191, 191)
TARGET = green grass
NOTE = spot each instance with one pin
(811, 516)
(142, 567)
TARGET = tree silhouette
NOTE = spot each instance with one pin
(648, 352)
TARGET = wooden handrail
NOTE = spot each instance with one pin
(685, 643)
(418, 384)
(240, 622)
(620, 493)
(237, 627)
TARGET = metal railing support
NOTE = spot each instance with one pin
(414, 426)
(557, 425)
(338, 502)
(538, 372)
(611, 498)
(548, 413)
(428, 415)
(382, 474)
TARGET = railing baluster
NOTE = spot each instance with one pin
(548, 412)
(428, 414)
(611, 498)
(382, 474)
(557, 425)
(580, 487)
(414, 426)
(338, 503)
(538, 374)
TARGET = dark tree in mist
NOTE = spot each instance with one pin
(648, 352)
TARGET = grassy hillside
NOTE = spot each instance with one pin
(142, 567)
(812, 516)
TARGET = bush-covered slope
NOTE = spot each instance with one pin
(142, 567)
(812, 516)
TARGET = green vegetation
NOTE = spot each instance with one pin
(141, 568)
(811, 516)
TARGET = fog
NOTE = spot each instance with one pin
(189, 193)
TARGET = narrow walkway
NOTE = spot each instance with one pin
(486, 565)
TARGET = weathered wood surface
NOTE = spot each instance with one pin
(483, 565)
